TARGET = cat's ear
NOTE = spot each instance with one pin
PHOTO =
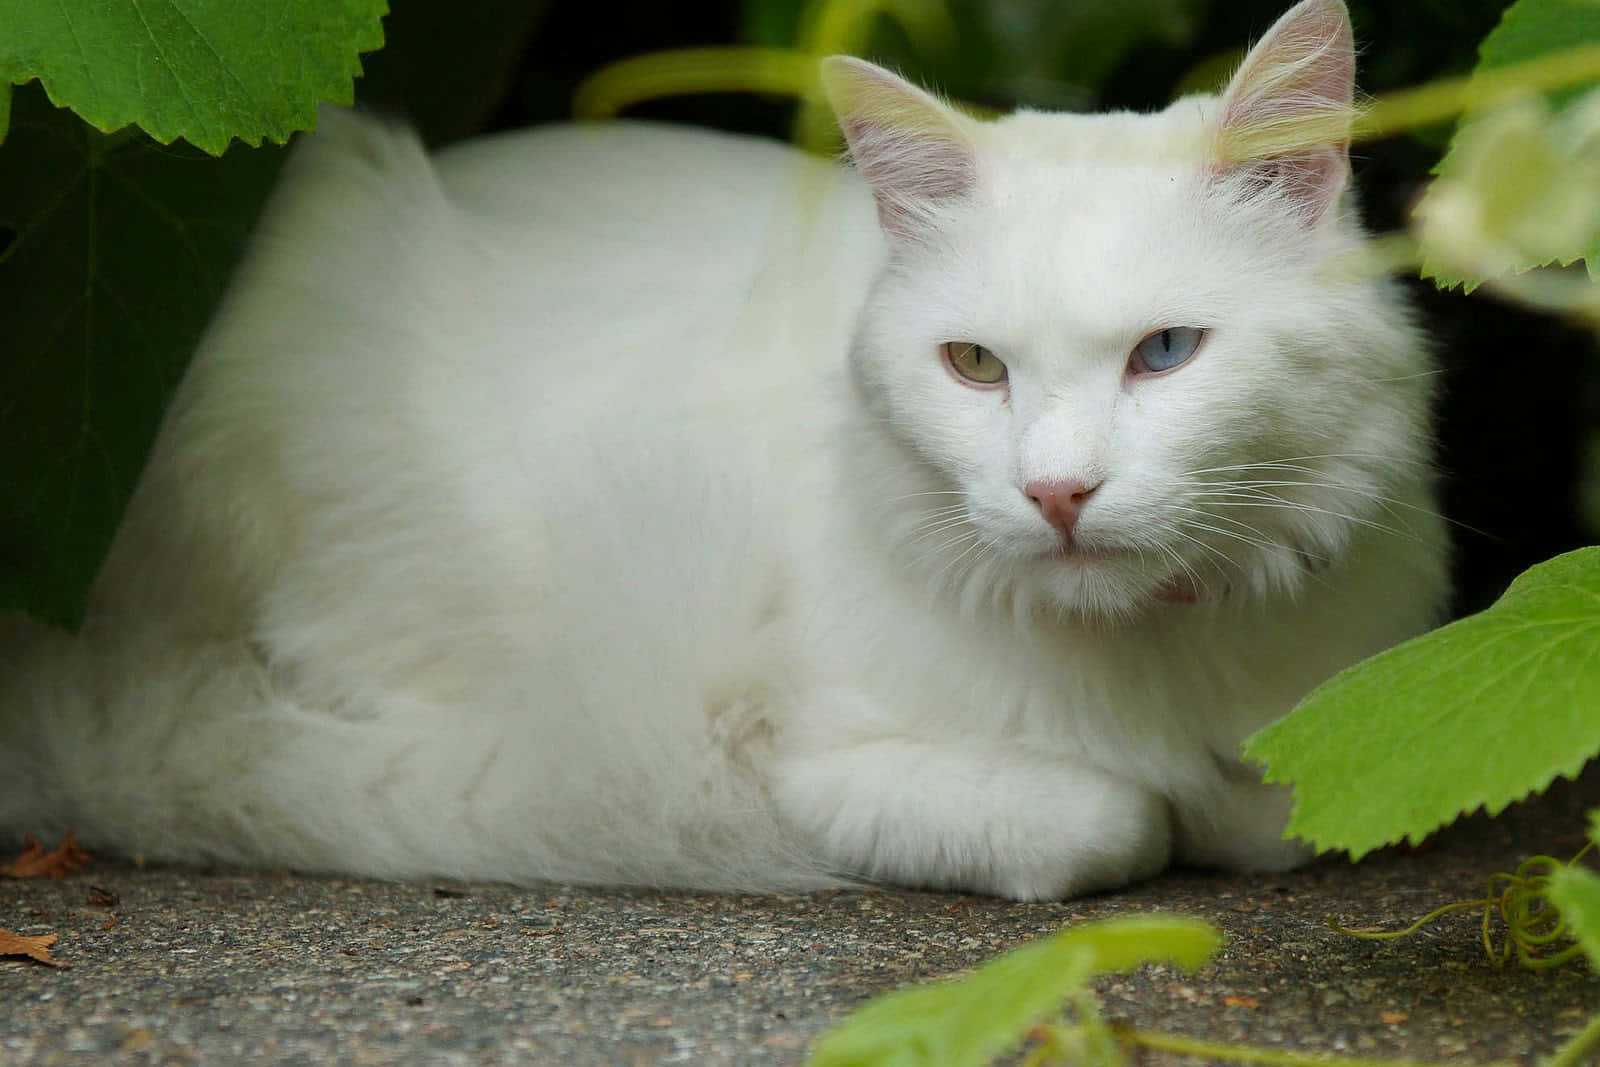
(1285, 119)
(912, 150)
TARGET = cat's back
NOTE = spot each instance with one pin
(468, 350)
(692, 292)
(664, 178)
(531, 230)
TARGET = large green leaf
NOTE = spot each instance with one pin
(119, 249)
(203, 70)
(967, 1022)
(1477, 714)
(1524, 171)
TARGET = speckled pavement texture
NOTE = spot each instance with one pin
(180, 966)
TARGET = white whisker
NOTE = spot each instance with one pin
(1311, 509)
(1189, 570)
(938, 527)
(1215, 518)
(1359, 490)
(930, 492)
(947, 509)
(978, 544)
(1259, 464)
(1404, 377)
(948, 545)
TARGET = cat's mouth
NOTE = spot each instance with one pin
(1181, 588)
(1083, 554)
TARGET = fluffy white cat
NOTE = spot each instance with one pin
(629, 504)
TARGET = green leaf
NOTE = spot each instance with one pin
(1576, 892)
(121, 249)
(1510, 167)
(203, 70)
(971, 1020)
(1477, 714)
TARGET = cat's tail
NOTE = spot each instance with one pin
(38, 705)
(200, 752)
(170, 749)
(124, 765)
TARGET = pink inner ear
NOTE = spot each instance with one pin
(908, 168)
(912, 150)
(910, 162)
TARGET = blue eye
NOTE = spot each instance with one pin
(1165, 349)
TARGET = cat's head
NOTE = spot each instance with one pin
(1136, 359)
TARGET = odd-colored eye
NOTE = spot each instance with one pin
(973, 362)
(1165, 349)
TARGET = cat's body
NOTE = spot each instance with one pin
(524, 515)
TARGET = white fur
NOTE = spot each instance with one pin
(575, 505)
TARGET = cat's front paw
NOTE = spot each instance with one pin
(1006, 823)
(1239, 827)
(1114, 837)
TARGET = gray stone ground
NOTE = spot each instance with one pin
(181, 966)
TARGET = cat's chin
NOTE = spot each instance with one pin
(1077, 555)
(1111, 585)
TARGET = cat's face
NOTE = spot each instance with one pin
(1131, 379)
(1165, 405)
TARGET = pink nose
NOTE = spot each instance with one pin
(1060, 502)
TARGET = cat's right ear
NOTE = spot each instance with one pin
(1285, 122)
(912, 150)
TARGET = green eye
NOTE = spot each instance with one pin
(973, 362)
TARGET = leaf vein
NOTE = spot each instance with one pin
(245, 91)
(166, 65)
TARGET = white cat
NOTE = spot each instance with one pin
(625, 504)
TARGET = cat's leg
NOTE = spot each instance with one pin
(1237, 826)
(1004, 820)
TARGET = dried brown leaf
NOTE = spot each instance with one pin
(36, 948)
(36, 862)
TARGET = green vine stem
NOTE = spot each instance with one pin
(1216, 1050)
(1534, 925)
(1405, 110)
(1068, 1044)
(1390, 935)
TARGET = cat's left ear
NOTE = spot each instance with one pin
(1285, 120)
(912, 150)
